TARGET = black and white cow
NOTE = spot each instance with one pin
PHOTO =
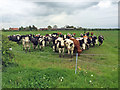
(41, 43)
(54, 37)
(89, 41)
(69, 44)
(60, 45)
(100, 39)
(94, 40)
(47, 40)
(34, 42)
(15, 38)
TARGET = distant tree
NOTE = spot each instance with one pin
(30, 28)
(49, 27)
(67, 26)
(34, 28)
(55, 27)
(27, 29)
(3, 29)
(21, 28)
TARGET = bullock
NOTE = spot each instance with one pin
(23, 42)
(46, 39)
(54, 37)
(100, 39)
(69, 44)
(77, 46)
(81, 41)
(85, 42)
(15, 38)
(60, 45)
(41, 43)
(94, 40)
(87, 34)
(55, 34)
(64, 37)
(26, 44)
(89, 41)
(34, 42)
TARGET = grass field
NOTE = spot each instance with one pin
(44, 69)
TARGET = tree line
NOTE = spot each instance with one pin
(67, 27)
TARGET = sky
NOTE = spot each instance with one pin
(41, 13)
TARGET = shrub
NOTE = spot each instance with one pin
(7, 54)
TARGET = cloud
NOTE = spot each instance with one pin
(68, 7)
(104, 4)
(16, 13)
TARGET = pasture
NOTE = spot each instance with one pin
(97, 67)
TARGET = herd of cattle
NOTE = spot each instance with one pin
(59, 42)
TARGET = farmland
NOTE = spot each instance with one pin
(44, 69)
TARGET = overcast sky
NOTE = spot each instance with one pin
(95, 14)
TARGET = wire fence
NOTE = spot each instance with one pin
(68, 58)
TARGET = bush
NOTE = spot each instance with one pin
(7, 54)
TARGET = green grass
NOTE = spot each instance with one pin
(32, 66)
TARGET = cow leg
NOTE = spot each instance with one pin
(48, 42)
(17, 42)
(93, 44)
(96, 42)
(68, 51)
(63, 51)
(43, 44)
(83, 46)
(59, 52)
(99, 43)
(72, 53)
(88, 46)
(40, 47)
(29, 48)
(36, 46)
(33, 46)
(25, 49)
(53, 48)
